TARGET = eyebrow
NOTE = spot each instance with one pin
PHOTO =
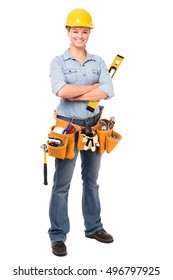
(85, 29)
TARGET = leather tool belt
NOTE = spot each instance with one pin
(65, 137)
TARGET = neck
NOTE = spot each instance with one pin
(78, 53)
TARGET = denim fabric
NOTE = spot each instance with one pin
(58, 210)
(65, 69)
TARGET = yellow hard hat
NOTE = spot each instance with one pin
(79, 17)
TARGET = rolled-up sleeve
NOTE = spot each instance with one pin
(105, 80)
(56, 75)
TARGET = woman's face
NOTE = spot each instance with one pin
(79, 36)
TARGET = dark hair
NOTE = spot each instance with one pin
(68, 28)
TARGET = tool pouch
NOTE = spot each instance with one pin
(80, 141)
(66, 149)
(112, 140)
(108, 139)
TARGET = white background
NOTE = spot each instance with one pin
(135, 179)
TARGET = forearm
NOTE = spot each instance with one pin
(95, 94)
(69, 91)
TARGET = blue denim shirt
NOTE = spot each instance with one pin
(65, 69)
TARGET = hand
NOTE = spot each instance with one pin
(72, 99)
(96, 85)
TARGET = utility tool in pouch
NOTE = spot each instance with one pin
(92, 105)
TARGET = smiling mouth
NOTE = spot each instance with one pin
(80, 41)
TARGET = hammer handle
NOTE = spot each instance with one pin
(45, 169)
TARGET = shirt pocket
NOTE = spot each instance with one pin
(71, 75)
(96, 75)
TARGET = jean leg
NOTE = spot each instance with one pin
(90, 196)
(58, 208)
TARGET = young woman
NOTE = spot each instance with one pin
(76, 78)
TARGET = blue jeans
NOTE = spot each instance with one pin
(58, 208)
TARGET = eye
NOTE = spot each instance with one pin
(85, 33)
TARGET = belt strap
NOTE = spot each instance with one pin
(81, 122)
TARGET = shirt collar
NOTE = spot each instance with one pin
(67, 55)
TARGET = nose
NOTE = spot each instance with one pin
(80, 34)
